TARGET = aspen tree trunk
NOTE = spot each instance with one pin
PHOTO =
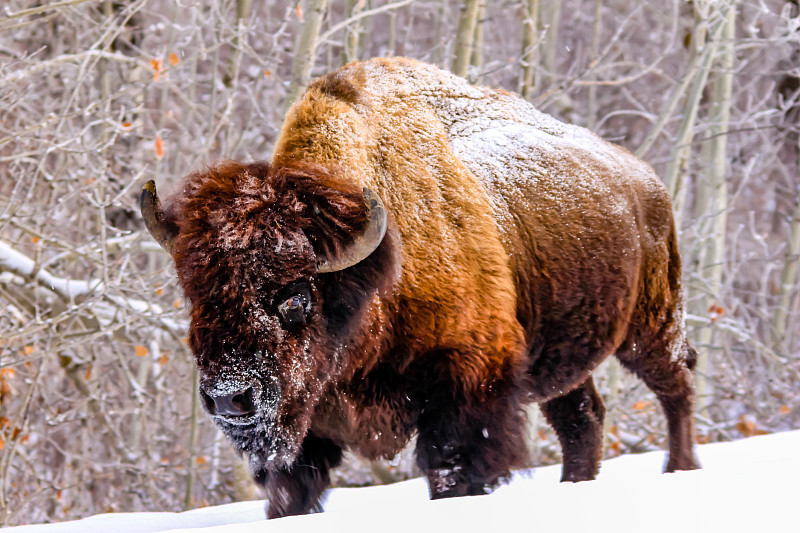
(351, 34)
(242, 14)
(789, 281)
(439, 55)
(533, 415)
(593, 53)
(530, 48)
(675, 178)
(783, 335)
(477, 48)
(306, 50)
(549, 18)
(243, 9)
(611, 400)
(243, 486)
(190, 462)
(696, 65)
(392, 34)
(711, 206)
(466, 36)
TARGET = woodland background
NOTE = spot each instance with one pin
(98, 410)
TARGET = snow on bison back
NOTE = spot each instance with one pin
(423, 256)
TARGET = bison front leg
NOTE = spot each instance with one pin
(468, 446)
(297, 489)
(577, 418)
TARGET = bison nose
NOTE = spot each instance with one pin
(237, 403)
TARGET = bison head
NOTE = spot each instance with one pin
(260, 254)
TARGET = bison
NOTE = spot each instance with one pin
(423, 257)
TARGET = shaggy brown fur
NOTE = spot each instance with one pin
(520, 253)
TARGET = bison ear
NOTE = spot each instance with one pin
(365, 242)
(163, 230)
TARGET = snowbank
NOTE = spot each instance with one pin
(743, 486)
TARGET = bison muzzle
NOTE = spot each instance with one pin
(423, 257)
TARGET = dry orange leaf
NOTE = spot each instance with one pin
(785, 409)
(88, 373)
(35, 239)
(159, 291)
(267, 73)
(2, 444)
(177, 303)
(141, 351)
(173, 59)
(28, 349)
(159, 147)
(200, 460)
(5, 389)
(644, 404)
(299, 12)
(163, 359)
(746, 426)
(126, 125)
(7, 373)
(185, 340)
(155, 64)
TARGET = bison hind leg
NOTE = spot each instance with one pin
(577, 418)
(668, 373)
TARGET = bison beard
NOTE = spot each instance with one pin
(424, 257)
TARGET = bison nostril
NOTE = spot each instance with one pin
(238, 403)
(244, 402)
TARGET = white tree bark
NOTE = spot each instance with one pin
(530, 48)
(711, 208)
(351, 34)
(465, 36)
(678, 167)
(597, 30)
(549, 22)
(306, 50)
(782, 335)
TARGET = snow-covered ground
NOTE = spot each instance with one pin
(748, 485)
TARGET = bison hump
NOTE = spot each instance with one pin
(345, 85)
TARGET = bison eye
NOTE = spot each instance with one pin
(293, 310)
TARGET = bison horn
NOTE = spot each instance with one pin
(366, 242)
(162, 231)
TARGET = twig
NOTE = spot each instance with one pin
(360, 15)
(42, 9)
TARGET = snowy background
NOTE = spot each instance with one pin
(747, 485)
